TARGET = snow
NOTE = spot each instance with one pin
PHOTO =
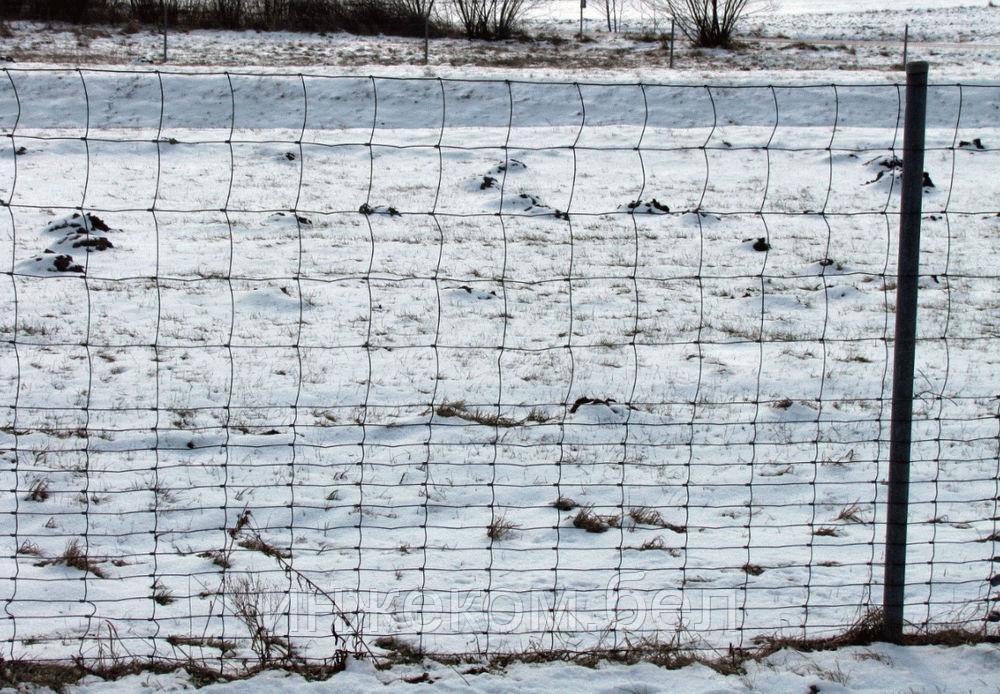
(318, 349)
(844, 6)
(878, 668)
(261, 388)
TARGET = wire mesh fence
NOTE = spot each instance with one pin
(295, 365)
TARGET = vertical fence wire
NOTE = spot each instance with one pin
(8, 203)
(90, 379)
(156, 487)
(940, 395)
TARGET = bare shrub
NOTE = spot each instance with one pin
(368, 17)
(490, 19)
(258, 605)
(149, 11)
(613, 14)
(707, 23)
(396, 17)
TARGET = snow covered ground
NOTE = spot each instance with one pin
(878, 668)
(939, 20)
(707, 375)
(398, 320)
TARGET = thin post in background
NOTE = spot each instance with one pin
(671, 43)
(906, 45)
(427, 8)
(904, 349)
(583, 6)
(163, 4)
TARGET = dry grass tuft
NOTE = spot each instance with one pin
(670, 654)
(161, 595)
(218, 557)
(866, 630)
(178, 641)
(564, 503)
(256, 543)
(489, 419)
(657, 544)
(647, 516)
(30, 549)
(402, 651)
(851, 514)
(538, 416)
(38, 491)
(75, 557)
(586, 519)
(827, 531)
(500, 528)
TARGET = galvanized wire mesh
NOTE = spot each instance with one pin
(295, 365)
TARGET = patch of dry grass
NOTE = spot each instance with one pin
(586, 519)
(827, 531)
(180, 641)
(851, 514)
(501, 528)
(646, 516)
(255, 543)
(73, 555)
(38, 491)
(490, 419)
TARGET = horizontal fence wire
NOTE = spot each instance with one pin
(296, 365)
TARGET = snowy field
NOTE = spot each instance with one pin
(667, 306)
(876, 669)
(292, 355)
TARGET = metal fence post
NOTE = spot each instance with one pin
(163, 3)
(904, 348)
(906, 46)
(672, 43)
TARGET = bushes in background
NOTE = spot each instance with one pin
(488, 19)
